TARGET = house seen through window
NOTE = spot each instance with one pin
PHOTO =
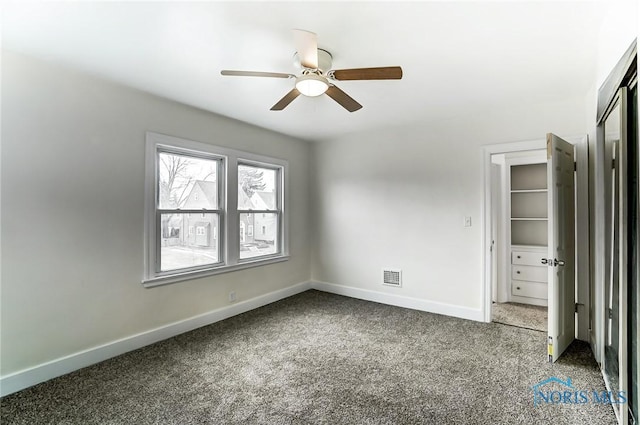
(188, 185)
(193, 227)
(258, 192)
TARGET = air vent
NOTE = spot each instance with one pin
(392, 277)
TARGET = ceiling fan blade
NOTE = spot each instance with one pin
(382, 73)
(286, 100)
(343, 99)
(255, 74)
(307, 47)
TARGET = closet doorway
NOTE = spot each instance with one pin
(534, 277)
(521, 235)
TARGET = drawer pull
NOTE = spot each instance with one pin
(519, 256)
(518, 272)
(518, 288)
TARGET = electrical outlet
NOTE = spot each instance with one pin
(467, 221)
(232, 296)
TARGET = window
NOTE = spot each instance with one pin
(194, 189)
(180, 179)
(258, 205)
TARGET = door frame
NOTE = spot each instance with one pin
(582, 224)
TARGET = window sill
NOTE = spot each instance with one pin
(179, 277)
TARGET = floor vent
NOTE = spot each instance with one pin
(392, 277)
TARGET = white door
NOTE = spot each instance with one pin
(561, 258)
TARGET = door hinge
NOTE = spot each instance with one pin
(610, 313)
(613, 163)
(575, 166)
(576, 307)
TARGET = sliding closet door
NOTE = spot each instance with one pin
(611, 313)
(634, 250)
(617, 234)
(615, 344)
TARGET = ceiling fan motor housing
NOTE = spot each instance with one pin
(325, 60)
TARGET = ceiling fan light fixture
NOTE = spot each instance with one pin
(312, 85)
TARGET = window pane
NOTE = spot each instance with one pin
(188, 240)
(256, 188)
(258, 235)
(187, 182)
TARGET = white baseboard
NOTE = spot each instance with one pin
(35, 375)
(401, 301)
(58, 367)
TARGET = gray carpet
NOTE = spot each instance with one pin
(520, 315)
(318, 358)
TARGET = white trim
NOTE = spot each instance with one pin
(28, 377)
(583, 254)
(49, 370)
(197, 274)
(600, 241)
(400, 301)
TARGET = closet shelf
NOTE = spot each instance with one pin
(529, 218)
(528, 190)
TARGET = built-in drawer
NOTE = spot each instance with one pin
(536, 274)
(527, 258)
(529, 289)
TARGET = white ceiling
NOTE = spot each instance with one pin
(457, 57)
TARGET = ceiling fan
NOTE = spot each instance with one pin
(316, 76)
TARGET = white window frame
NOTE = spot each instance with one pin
(228, 209)
(278, 201)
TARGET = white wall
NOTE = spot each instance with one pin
(397, 198)
(619, 26)
(72, 212)
(618, 29)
